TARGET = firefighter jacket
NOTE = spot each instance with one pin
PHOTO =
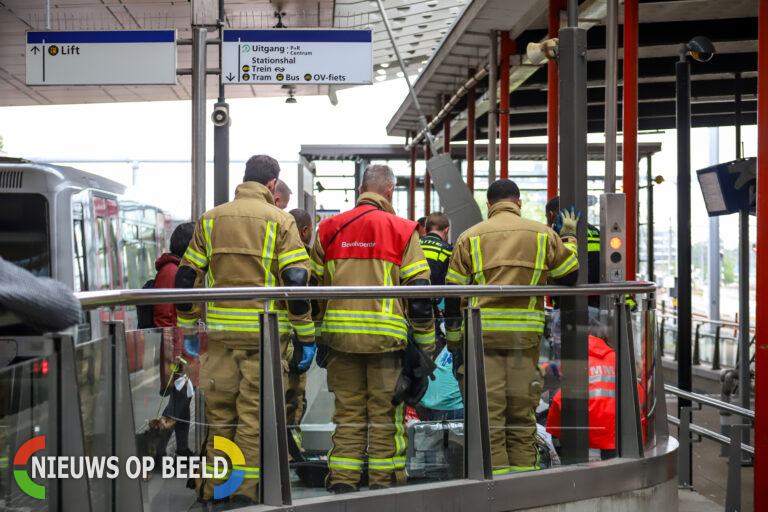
(438, 253)
(369, 246)
(246, 242)
(507, 249)
(602, 398)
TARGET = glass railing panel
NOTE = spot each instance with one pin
(24, 414)
(92, 383)
(598, 433)
(163, 366)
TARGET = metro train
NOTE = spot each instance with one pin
(73, 226)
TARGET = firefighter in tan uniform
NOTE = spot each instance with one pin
(507, 249)
(246, 242)
(365, 339)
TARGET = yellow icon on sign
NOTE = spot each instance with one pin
(307, 77)
(280, 77)
(53, 50)
(246, 68)
(246, 77)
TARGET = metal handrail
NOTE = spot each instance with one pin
(723, 323)
(709, 434)
(134, 297)
(717, 404)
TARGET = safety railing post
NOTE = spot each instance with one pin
(477, 426)
(684, 461)
(629, 431)
(275, 484)
(716, 349)
(696, 348)
(733, 487)
(124, 492)
(661, 335)
(67, 441)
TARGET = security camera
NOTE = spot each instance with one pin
(539, 52)
(701, 48)
(220, 115)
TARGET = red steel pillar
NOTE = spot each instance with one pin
(629, 156)
(507, 49)
(761, 311)
(553, 104)
(412, 189)
(471, 99)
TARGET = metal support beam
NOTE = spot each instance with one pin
(471, 100)
(427, 181)
(412, 189)
(553, 112)
(651, 235)
(221, 156)
(573, 187)
(275, 483)
(492, 113)
(629, 157)
(713, 257)
(611, 80)
(446, 130)
(684, 375)
(478, 433)
(198, 121)
(507, 48)
(761, 314)
(684, 456)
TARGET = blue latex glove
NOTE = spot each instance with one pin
(307, 354)
(192, 346)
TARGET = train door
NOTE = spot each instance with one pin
(110, 275)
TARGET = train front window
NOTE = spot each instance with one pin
(24, 232)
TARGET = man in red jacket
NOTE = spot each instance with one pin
(164, 315)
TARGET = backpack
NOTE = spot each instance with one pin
(145, 312)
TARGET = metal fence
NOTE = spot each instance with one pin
(95, 381)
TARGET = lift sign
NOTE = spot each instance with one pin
(283, 56)
(101, 57)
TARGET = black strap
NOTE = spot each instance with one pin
(330, 242)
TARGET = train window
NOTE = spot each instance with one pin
(80, 266)
(24, 232)
(102, 252)
(114, 253)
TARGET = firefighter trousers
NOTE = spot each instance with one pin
(513, 385)
(230, 380)
(365, 418)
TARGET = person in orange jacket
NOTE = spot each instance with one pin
(602, 400)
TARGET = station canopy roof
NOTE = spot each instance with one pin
(419, 25)
(664, 24)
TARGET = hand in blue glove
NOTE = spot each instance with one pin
(192, 346)
(307, 354)
(567, 221)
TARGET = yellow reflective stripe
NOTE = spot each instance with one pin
(564, 267)
(452, 335)
(399, 462)
(304, 329)
(331, 268)
(457, 278)
(356, 313)
(291, 257)
(526, 314)
(426, 338)
(593, 247)
(541, 249)
(363, 329)
(340, 462)
(208, 229)
(317, 268)
(413, 269)
(184, 322)
(387, 305)
(399, 431)
(477, 260)
(246, 311)
(195, 257)
(267, 252)
(210, 472)
(379, 464)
